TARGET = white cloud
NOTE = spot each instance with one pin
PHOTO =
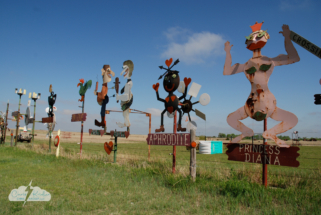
(69, 112)
(154, 111)
(295, 5)
(196, 48)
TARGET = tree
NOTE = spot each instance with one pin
(221, 135)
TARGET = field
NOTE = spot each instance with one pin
(134, 185)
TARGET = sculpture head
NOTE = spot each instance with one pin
(258, 38)
(128, 67)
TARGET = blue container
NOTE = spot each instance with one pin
(216, 147)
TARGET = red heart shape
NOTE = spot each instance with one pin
(170, 109)
(126, 134)
(169, 62)
(187, 81)
(155, 86)
(108, 147)
(101, 132)
(90, 130)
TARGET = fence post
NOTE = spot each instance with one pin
(11, 138)
(192, 168)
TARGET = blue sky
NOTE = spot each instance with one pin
(60, 42)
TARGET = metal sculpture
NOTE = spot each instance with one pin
(102, 97)
(127, 97)
(261, 103)
(51, 101)
(171, 83)
(83, 88)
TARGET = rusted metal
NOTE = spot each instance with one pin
(15, 114)
(77, 117)
(273, 155)
(47, 120)
(120, 133)
(264, 166)
(108, 147)
(169, 139)
(261, 103)
(174, 147)
(117, 85)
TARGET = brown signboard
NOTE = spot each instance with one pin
(47, 120)
(96, 132)
(182, 139)
(77, 117)
(267, 154)
(119, 133)
(15, 113)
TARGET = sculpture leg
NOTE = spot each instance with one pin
(126, 119)
(233, 121)
(179, 126)
(289, 120)
(161, 129)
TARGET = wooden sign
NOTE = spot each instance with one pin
(273, 155)
(305, 44)
(77, 117)
(15, 113)
(96, 132)
(119, 133)
(47, 120)
(182, 139)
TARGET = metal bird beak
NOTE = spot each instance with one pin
(78, 84)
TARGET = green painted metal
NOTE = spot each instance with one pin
(258, 116)
(34, 121)
(265, 67)
(115, 149)
(251, 70)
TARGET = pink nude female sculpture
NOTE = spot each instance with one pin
(261, 103)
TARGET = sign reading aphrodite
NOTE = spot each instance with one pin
(169, 139)
(29, 193)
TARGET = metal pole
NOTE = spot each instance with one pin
(264, 171)
(17, 127)
(115, 149)
(82, 125)
(174, 147)
(150, 123)
(34, 121)
(5, 125)
(50, 139)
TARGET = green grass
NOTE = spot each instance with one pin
(95, 185)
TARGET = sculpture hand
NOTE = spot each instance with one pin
(286, 31)
(155, 86)
(227, 46)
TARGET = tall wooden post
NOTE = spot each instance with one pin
(34, 121)
(11, 138)
(264, 170)
(192, 168)
(5, 125)
(18, 117)
(174, 147)
(150, 124)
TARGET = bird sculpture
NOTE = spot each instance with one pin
(83, 88)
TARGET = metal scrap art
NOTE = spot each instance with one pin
(127, 97)
(261, 103)
(102, 97)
